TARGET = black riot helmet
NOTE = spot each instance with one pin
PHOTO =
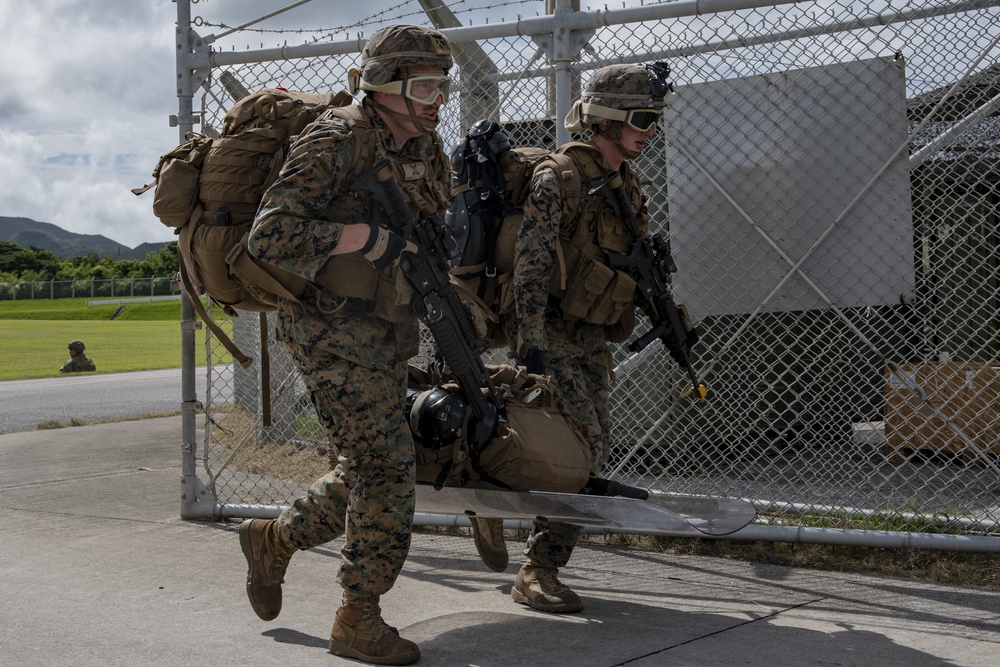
(436, 416)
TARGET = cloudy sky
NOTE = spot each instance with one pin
(89, 87)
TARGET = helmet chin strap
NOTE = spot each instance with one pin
(614, 133)
(422, 123)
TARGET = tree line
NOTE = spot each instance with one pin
(17, 263)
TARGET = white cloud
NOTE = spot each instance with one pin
(83, 113)
(85, 103)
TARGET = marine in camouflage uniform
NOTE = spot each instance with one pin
(352, 347)
(78, 361)
(622, 105)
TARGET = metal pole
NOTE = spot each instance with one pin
(562, 57)
(189, 397)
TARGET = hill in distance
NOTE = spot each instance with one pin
(27, 233)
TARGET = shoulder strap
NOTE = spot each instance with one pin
(226, 341)
(584, 155)
(364, 138)
(571, 183)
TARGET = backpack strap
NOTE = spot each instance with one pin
(578, 167)
(365, 140)
(265, 373)
(226, 341)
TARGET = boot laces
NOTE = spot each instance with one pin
(496, 530)
(279, 563)
(548, 581)
(373, 618)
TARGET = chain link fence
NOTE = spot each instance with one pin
(90, 288)
(827, 174)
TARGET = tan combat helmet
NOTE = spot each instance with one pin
(387, 58)
(77, 345)
(635, 95)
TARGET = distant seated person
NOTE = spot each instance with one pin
(78, 361)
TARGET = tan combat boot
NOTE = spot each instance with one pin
(538, 587)
(488, 534)
(360, 633)
(267, 559)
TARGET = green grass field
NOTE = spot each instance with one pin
(144, 336)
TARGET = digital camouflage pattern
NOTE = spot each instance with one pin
(353, 363)
(398, 47)
(368, 496)
(612, 91)
(537, 262)
(576, 353)
(299, 223)
(77, 364)
(627, 86)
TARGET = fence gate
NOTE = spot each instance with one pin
(827, 174)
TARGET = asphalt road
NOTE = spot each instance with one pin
(26, 403)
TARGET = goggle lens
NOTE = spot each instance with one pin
(642, 121)
(426, 89)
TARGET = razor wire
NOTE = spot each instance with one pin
(827, 174)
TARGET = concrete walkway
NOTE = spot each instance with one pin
(96, 568)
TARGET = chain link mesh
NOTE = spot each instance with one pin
(827, 174)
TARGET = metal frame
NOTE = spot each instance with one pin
(561, 37)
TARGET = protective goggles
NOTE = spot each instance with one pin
(640, 120)
(421, 88)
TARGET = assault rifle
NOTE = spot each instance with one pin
(649, 263)
(437, 303)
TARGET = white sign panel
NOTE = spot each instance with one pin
(765, 165)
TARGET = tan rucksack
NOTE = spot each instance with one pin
(537, 447)
(209, 191)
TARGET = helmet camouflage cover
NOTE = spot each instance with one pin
(399, 47)
(622, 87)
(77, 345)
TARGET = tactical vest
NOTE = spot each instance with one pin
(351, 275)
(589, 290)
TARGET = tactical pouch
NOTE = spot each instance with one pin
(176, 195)
(610, 304)
(393, 301)
(612, 234)
(587, 283)
(352, 275)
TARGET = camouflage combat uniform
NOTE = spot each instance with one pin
(78, 364)
(576, 353)
(353, 363)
